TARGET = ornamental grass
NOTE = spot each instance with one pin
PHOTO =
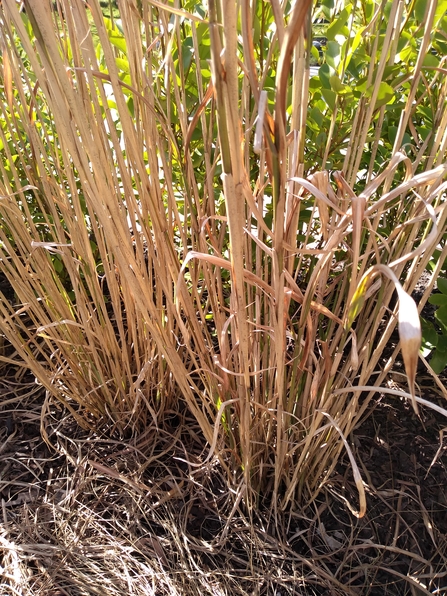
(190, 219)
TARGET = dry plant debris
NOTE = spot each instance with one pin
(204, 311)
(87, 515)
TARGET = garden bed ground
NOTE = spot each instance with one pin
(95, 516)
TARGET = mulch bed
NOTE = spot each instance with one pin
(71, 511)
(401, 543)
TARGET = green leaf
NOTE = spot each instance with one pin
(438, 361)
(317, 116)
(122, 65)
(430, 60)
(330, 97)
(442, 343)
(408, 52)
(333, 54)
(187, 52)
(438, 299)
(336, 84)
(115, 36)
(429, 336)
(328, 7)
(426, 112)
(441, 9)
(420, 9)
(392, 131)
(404, 39)
(320, 141)
(424, 132)
(337, 26)
(57, 263)
(325, 73)
(385, 95)
(442, 284)
(394, 72)
(354, 45)
(315, 56)
(441, 316)
(130, 105)
(357, 302)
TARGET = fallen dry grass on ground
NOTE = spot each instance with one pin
(202, 306)
(92, 516)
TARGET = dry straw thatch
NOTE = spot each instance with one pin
(148, 285)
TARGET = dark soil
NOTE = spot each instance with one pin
(403, 462)
(400, 543)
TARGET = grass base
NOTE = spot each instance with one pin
(95, 516)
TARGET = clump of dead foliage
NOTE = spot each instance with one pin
(201, 299)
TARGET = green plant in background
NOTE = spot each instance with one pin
(434, 332)
(172, 232)
(434, 341)
(374, 74)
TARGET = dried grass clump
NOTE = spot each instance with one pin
(158, 259)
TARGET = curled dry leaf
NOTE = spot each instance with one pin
(410, 334)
